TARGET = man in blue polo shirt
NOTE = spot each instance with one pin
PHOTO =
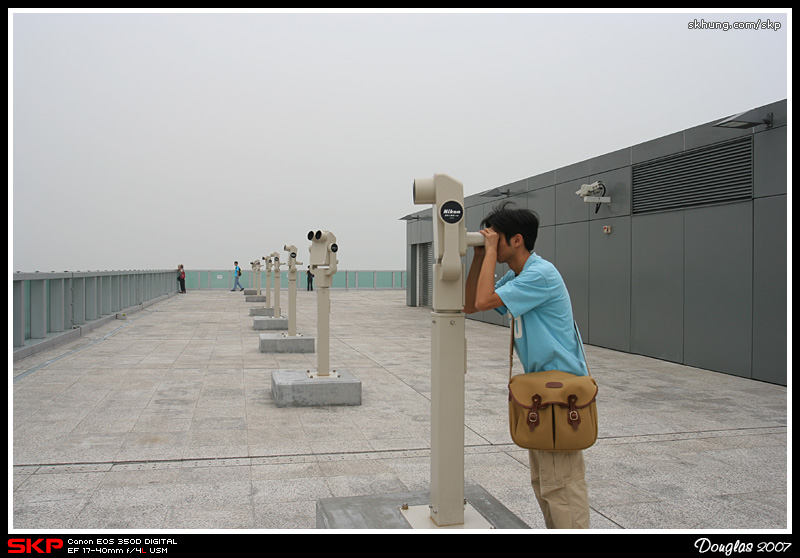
(545, 338)
(237, 272)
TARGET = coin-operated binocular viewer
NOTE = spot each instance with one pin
(266, 309)
(448, 352)
(255, 267)
(290, 342)
(275, 321)
(322, 387)
(323, 262)
(276, 266)
(323, 251)
(292, 274)
(268, 269)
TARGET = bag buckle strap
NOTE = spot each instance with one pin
(533, 414)
(573, 417)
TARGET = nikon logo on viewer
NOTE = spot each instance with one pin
(451, 212)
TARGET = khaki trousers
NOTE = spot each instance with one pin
(558, 480)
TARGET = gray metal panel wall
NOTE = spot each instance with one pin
(769, 289)
(659, 147)
(610, 261)
(657, 285)
(543, 203)
(718, 279)
(546, 243)
(610, 284)
(572, 260)
(770, 169)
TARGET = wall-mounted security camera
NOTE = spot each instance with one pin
(594, 193)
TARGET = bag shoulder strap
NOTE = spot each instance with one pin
(580, 344)
(511, 348)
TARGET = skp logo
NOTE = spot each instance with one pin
(30, 546)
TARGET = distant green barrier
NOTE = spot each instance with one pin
(55, 307)
(215, 279)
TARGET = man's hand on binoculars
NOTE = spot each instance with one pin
(491, 239)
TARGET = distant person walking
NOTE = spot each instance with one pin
(237, 272)
(181, 279)
(309, 280)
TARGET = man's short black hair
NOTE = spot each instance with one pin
(512, 221)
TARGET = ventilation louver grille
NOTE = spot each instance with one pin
(716, 174)
(424, 267)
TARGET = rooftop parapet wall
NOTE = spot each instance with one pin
(50, 308)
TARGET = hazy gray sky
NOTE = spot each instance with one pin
(144, 140)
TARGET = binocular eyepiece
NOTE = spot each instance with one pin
(322, 236)
(424, 190)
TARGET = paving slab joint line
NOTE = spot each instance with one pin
(91, 343)
(693, 435)
(46, 468)
(221, 461)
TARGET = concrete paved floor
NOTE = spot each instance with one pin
(165, 421)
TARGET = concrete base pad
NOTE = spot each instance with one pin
(283, 343)
(296, 388)
(262, 311)
(255, 298)
(265, 322)
(385, 512)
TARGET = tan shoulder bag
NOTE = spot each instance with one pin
(551, 410)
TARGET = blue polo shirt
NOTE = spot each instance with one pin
(545, 337)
